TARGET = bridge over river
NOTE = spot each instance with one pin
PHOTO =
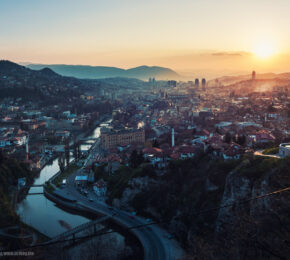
(72, 233)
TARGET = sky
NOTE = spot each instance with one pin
(224, 36)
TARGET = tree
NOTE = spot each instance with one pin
(228, 137)
(1, 157)
(76, 151)
(241, 140)
(134, 159)
(61, 163)
(155, 143)
(140, 158)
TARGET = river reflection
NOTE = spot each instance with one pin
(42, 214)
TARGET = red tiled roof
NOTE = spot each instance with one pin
(152, 150)
(264, 135)
(186, 149)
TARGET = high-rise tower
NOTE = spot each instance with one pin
(196, 83)
(203, 83)
(253, 75)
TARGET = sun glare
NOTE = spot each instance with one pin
(264, 51)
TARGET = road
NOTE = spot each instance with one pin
(259, 153)
(155, 241)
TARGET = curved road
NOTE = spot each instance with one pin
(155, 241)
(260, 153)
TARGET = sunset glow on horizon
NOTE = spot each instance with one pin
(184, 35)
(265, 50)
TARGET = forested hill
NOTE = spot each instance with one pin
(190, 198)
(10, 171)
(19, 81)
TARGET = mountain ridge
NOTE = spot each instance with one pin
(143, 72)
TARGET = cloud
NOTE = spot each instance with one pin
(230, 54)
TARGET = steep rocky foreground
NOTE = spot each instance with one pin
(256, 229)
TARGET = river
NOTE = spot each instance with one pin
(41, 213)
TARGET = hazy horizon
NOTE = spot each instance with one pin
(209, 37)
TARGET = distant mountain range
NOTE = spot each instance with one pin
(100, 72)
(22, 82)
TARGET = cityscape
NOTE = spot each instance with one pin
(102, 157)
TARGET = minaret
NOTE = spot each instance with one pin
(172, 137)
(27, 149)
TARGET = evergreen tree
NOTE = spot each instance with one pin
(134, 159)
(140, 158)
(61, 163)
(241, 140)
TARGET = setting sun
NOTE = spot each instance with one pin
(264, 50)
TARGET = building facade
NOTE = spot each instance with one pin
(113, 138)
(284, 149)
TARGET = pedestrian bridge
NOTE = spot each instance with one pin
(72, 233)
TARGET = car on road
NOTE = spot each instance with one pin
(131, 216)
(110, 208)
(148, 220)
(91, 200)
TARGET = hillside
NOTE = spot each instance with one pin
(97, 72)
(10, 171)
(190, 200)
(19, 81)
(47, 86)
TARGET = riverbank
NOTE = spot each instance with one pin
(131, 239)
(47, 215)
(41, 213)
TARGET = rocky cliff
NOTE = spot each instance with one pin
(215, 210)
